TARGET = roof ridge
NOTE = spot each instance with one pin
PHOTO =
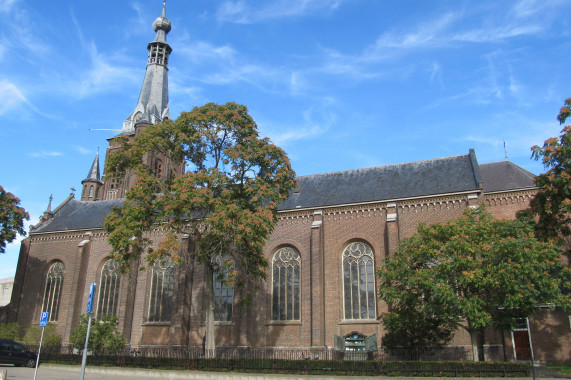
(385, 166)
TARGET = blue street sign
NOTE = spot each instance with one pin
(44, 319)
(90, 300)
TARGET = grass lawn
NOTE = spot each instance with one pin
(565, 369)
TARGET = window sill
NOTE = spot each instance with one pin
(278, 323)
(156, 324)
(223, 323)
(359, 322)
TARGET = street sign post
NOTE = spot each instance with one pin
(89, 313)
(44, 317)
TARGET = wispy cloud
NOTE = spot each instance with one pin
(101, 75)
(13, 99)
(246, 12)
(6, 5)
(45, 154)
(83, 150)
(317, 120)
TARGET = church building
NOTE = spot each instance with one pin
(332, 232)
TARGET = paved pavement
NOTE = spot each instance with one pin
(60, 372)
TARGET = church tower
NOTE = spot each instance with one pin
(152, 108)
(92, 184)
(153, 104)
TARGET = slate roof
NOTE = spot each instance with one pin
(382, 183)
(505, 176)
(454, 174)
(77, 215)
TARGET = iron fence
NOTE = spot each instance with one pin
(290, 361)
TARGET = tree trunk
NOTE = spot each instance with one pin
(474, 339)
(210, 344)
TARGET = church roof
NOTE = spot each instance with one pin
(76, 215)
(456, 174)
(505, 176)
(383, 183)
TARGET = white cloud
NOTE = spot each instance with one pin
(317, 120)
(101, 75)
(12, 96)
(243, 12)
(45, 154)
(83, 150)
(6, 5)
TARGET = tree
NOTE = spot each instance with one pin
(104, 337)
(226, 200)
(553, 200)
(10, 331)
(474, 272)
(12, 218)
(51, 340)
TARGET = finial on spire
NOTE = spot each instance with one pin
(49, 209)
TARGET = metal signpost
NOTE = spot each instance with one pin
(45, 316)
(89, 312)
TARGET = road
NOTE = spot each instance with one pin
(60, 372)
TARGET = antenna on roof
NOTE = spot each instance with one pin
(505, 150)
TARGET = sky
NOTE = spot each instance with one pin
(339, 84)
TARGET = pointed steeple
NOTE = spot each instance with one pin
(153, 104)
(92, 185)
(94, 173)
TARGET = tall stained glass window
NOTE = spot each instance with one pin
(108, 290)
(223, 291)
(286, 271)
(359, 281)
(162, 291)
(52, 294)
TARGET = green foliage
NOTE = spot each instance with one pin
(415, 329)
(476, 269)
(553, 200)
(11, 331)
(12, 218)
(51, 337)
(226, 200)
(104, 337)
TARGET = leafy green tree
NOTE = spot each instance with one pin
(226, 200)
(553, 200)
(413, 329)
(11, 331)
(104, 337)
(12, 218)
(474, 272)
(51, 340)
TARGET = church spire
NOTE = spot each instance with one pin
(153, 104)
(94, 174)
(92, 185)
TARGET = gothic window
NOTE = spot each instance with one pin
(158, 168)
(286, 269)
(52, 294)
(108, 290)
(359, 281)
(90, 191)
(162, 290)
(223, 291)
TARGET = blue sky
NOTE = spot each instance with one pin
(339, 84)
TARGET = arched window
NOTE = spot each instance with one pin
(158, 168)
(286, 269)
(162, 291)
(90, 191)
(108, 290)
(359, 281)
(52, 294)
(223, 291)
